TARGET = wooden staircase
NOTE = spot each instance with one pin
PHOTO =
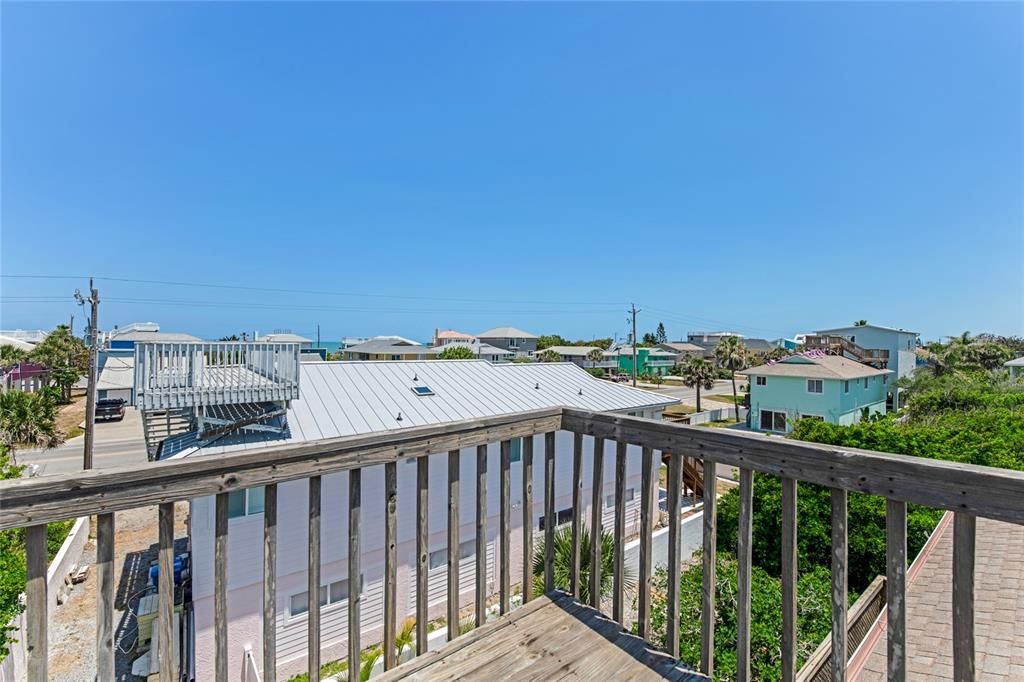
(693, 474)
(159, 425)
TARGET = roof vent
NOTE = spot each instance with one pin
(422, 390)
(399, 417)
(537, 386)
(415, 377)
(581, 391)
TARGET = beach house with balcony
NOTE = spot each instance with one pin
(817, 385)
(522, 344)
(655, 361)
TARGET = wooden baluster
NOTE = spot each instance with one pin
(355, 573)
(577, 512)
(480, 601)
(596, 504)
(675, 484)
(743, 557)
(270, 583)
(708, 584)
(453, 544)
(504, 525)
(36, 603)
(964, 525)
(165, 591)
(896, 589)
(390, 563)
(840, 569)
(527, 518)
(105, 597)
(313, 582)
(618, 614)
(422, 552)
(550, 518)
(789, 579)
(643, 618)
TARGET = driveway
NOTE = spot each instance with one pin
(117, 444)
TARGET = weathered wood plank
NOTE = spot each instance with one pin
(105, 597)
(63, 496)
(982, 491)
(840, 572)
(708, 587)
(577, 513)
(422, 551)
(549, 511)
(643, 617)
(355, 583)
(453, 545)
(313, 582)
(963, 597)
(165, 590)
(744, 552)
(480, 600)
(789, 579)
(390, 563)
(896, 589)
(527, 509)
(596, 504)
(270, 583)
(618, 578)
(675, 539)
(36, 604)
(505, 528)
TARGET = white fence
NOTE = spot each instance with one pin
(718, 414)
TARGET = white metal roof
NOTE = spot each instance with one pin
(118, 372)
(352, 398)
(17, 343)
(285, 337)
(863, 326)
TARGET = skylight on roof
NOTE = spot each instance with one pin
(422, 390)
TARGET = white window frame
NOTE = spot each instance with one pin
(326, 602)
(774, 413)
(249, 504)
(819, 382)
(760, 381)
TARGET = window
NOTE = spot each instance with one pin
(609, 500)
(331, 593)
(885, 378)
(773, 421)
(865, 383)
(815, 417)
(815, 386)
(562, 517)
(513, 343)
(761, 381)
(396, 357)
(439, 557)
(245, 502)
(846, 387)
(516, 450)
(422, 390)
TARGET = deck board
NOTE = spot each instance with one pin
(551, 638)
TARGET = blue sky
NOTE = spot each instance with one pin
(770, 168)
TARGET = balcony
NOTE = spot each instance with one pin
(552, 634)
(840, 345)
(195, 374)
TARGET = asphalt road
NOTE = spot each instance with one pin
(117, 444)
(689, 395)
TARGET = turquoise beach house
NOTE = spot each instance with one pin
(828, 387)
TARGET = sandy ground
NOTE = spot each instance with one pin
(70, 416)
(73, 628)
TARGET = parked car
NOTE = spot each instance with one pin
(110, 408)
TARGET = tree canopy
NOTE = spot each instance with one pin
(65, 356)
(456, 352)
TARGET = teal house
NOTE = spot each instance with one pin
(827, 387)
(648, 360)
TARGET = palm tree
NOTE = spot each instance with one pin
(28, 419)
(860, 323)
(732, 355)
(549, 356)
(9, 355)
(698, 373)
(563, 563)
(595, 356)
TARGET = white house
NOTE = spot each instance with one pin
(349, 398)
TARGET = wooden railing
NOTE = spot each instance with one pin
(839, 344)
(968, 491)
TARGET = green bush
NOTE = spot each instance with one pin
(596, 371)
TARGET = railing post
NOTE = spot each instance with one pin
(355, 583)
(708, 584)
(270, 583)
(527, 508)
(964, 525)
(36, 603)
(453, 545)
(390, 563)
(577, 512)
(480, 601)
(789, 579)
(422, 551)
(675, 484)
(313, 582)
(895, 589)
(618, 614)
(550, 517)
(105, 597)
(596, 504)
(840, 568)
(743, 559)
(643, 618)
(504, 528)
(165, 592)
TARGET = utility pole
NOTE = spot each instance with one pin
(633, 311)
(90, 396)
(317, 334)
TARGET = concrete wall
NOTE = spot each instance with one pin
(245, 563)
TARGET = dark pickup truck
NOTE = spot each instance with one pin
(109, 408)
